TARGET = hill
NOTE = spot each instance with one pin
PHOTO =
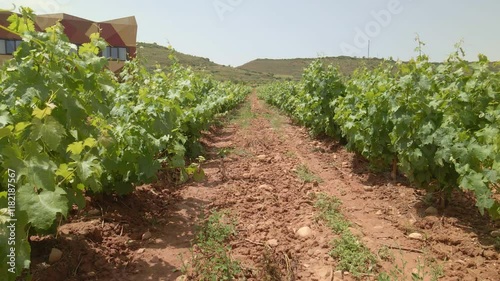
(258, 71)
(293, 68)
(153, 54)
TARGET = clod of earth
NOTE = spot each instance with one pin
(273, 243)
(431, 211)
(94, 212)
(338, 275)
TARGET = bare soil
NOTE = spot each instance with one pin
(258, 183)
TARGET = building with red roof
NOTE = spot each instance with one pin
(120, 34)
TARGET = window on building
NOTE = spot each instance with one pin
(3, 50)
(11, 46)
(8, 46)
(122, 53)
(106, 52)
(116, 53)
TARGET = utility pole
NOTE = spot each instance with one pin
(369, 42)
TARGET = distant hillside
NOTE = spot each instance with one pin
(153, 54)
(258, 71)
(293, 68)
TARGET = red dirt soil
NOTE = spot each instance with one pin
(258, 183)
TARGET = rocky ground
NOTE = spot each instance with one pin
(265, 172)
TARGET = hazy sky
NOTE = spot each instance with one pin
(233, 32)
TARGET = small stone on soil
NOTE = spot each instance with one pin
(368, 188)
(304, 232)
(266, 187)
(262, 158)
(146, 235)
(55, 255)
(141, 250)
(181, 278)
(495, 233)
(416, 236)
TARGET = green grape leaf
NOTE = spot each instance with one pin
(480, 152)
(49, 131)
(5, 118)
(199, 175)
(88, 167)
(41, 113)
(148, 167)
(177, 161)
(89, 48)
(39, 171)
(21, 24)
(90, 142)
(5, 132)
(75, 196)
(21, 126)
(75, 148)
(65, 172)
(472, 181)
(42, 207)
(494, 211)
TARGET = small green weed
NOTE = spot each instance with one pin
(275, 119)
(426, 270)
(291, 154)
(329, 208)
(306, 175)
(211, 258)
(244, 115)
(384, 253)
(352, 255)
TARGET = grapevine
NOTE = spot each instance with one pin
(69, 127)
(438, 122)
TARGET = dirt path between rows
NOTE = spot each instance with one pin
(148, 235)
